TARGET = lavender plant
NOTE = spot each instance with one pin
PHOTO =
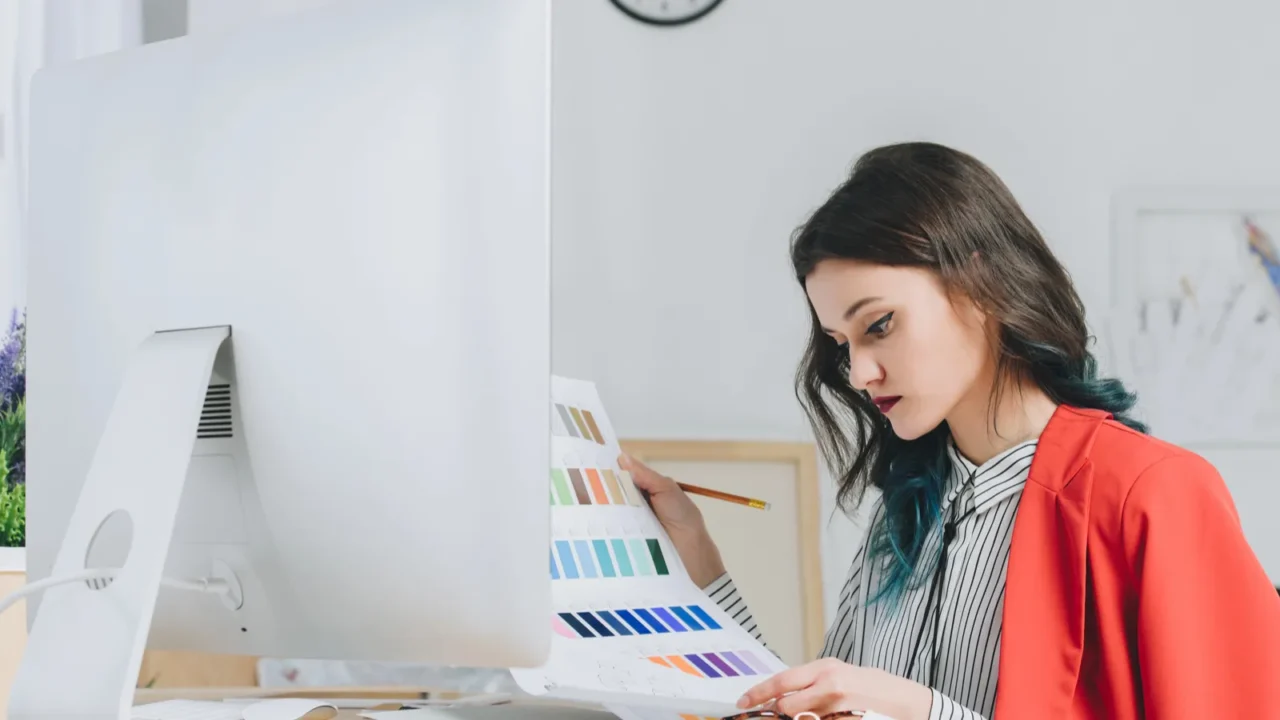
(13, 422)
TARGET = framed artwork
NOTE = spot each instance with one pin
(773, 555)
(1195, 316)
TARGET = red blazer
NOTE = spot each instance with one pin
(1132, 592)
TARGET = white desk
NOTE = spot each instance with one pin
(521, 709)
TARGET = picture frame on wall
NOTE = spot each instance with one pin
(1194, 322)
(773, 555)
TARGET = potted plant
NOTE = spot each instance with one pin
(13, 420)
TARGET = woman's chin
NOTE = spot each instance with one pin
(907, 427)
(906, 436)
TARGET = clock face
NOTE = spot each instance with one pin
(666, 12)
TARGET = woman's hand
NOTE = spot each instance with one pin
(827, 686)
(681, 519)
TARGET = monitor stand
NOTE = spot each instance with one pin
(85, 648)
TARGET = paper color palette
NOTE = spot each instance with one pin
(607, 558)
(561, 629)
(634, 621)
(620, 595)
(712, 665)
(576, 422)
(592, 486)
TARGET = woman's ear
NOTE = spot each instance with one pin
(983, 319)
(969, 311)
(979, 314)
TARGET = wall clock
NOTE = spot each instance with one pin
(666, 12)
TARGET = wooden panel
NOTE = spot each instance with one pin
(773, 555)
(173, 669)
(13, 637)
(143, 695)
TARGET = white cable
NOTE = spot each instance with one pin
(207, 585)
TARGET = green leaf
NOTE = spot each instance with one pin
(13, 515)
(13, 426)
(13, 499)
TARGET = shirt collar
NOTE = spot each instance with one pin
(993, 481)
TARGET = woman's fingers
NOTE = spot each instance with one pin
(644, 476)
(787, 681)
(828, 686)
(819, 698)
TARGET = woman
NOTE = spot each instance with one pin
(1032, 553)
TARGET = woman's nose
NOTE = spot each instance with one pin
(863, 369)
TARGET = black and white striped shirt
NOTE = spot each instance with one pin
(972, 593)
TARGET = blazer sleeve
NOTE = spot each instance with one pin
(1208, 617)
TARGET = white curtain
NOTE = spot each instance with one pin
(48, 32)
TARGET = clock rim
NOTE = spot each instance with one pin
(664, 23)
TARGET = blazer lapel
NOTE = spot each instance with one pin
(1042, 639)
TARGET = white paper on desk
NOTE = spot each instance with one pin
(630, 626)
(424, 709)
(626, 713)
(181, 709)
(417, 713)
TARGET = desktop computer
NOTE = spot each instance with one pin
(289, 320)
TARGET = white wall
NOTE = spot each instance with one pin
(684, 158)
(221, 15)
(36, 34)
(10, 258)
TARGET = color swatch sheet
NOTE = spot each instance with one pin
(631, 629)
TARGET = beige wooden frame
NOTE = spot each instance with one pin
(804, 457)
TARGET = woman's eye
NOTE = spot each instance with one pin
(880, 326)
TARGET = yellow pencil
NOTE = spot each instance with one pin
(727, 497)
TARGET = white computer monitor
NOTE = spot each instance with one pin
(360, 194)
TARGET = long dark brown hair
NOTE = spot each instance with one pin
(929, 206)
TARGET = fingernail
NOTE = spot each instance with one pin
(743, 701)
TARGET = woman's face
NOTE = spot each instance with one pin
(915, 351)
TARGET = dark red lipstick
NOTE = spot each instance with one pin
(886, 402)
